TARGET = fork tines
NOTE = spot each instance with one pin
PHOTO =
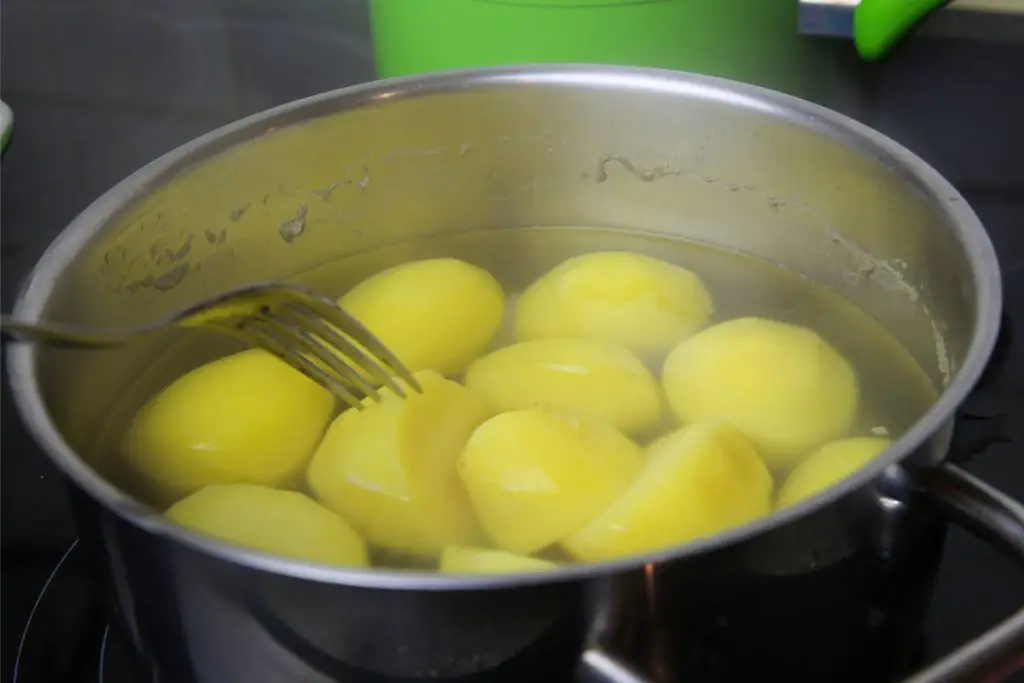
(317, 337)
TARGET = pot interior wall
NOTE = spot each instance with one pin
(286, 195)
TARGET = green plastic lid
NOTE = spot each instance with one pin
(6, 125)
(570, 3)
(879, 24)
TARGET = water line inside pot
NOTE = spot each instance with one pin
(895, 391)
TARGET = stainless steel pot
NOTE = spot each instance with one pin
(814, 593)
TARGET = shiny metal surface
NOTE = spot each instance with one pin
(596, 665)
(385, 164)
(303, 328)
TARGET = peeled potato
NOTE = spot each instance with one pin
(639, 302)
(285, 523)
(581, 376)
(462, 560)
(535, 475)
(245, 418)
(781, 385)
(828, 465)
(437, 314)
(391, 468)
(696, 481)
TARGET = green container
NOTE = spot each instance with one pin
(749, 40)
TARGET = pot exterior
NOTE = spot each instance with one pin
(838, 596)
(390, 166)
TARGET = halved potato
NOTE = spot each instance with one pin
(781, 385)
(829, 465)
(636, 301)
(245, 418)
(435, 314)
(582, 376)
(391, 467)
(696, 481)
(464, 560)
(537, 475)
(286, 523)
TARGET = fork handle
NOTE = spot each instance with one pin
(58, 335)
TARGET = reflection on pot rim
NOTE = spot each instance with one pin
(972, 238)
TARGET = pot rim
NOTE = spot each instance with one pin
(39, 285)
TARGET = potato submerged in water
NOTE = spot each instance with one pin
(829, 465)
(436, 314)
(245, 418)
(463, 560)
(781, 385)
(536, 475)
(639, 302)
(581, 376)
(696, 481)
(391, 468)
(284, 523)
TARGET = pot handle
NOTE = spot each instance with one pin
(999, 519)
(992, 657)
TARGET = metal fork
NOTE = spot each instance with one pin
(305, 329)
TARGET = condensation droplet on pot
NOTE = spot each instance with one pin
(325, 192)
(646, 175)
(175, 255)
(172, 278)
(238, 213)
(162, 283)
(295, 226)
(216, 237)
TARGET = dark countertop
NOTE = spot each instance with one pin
(99, 88)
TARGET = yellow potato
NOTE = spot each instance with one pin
(244, 418)
(284, 523)
(436, 314)
(828, 465)
(581, 376)
(463, 560)
(391, 468)
(781, 385)
(696, 481)
(639, 302)
(536, 475)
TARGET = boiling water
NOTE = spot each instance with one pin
(895, 391)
